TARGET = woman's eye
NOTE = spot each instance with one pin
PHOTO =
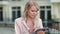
(32, 11)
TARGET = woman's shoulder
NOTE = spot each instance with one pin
(39, 19)
(18, 19)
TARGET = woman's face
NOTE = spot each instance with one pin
(32, 12)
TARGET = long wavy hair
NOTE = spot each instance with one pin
(28, 5)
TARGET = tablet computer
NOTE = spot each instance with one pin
(43, 29)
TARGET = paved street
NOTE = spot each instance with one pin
(10, 30)
(6, 30)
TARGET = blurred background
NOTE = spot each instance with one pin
(11, 9)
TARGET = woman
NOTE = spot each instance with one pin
(29, 23)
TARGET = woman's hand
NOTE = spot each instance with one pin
(31, 30)
(41, 32)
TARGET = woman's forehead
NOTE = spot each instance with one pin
(33, 8)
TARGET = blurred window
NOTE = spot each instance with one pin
(45, 15)
(45, 12)
(1, 13)
(16, 12)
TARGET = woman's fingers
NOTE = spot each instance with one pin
(41, 32)
(32, 29)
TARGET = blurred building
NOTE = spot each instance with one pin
(12, 9)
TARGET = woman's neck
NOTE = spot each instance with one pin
(29, 18)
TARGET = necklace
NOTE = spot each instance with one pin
(30, 24)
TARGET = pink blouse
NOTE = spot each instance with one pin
(22, 28)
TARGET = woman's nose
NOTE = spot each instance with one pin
(34, 13)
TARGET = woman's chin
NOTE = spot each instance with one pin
(32, 17)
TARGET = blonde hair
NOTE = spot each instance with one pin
(28, 5)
